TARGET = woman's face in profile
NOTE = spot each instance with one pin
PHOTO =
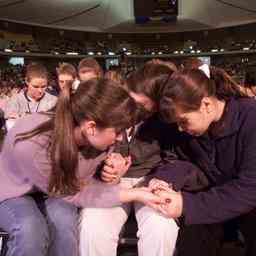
(195, 122)
(100, 138)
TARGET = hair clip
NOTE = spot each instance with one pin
(206, 69)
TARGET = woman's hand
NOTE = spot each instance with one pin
(115, 167)
(145, 196)
(142, 195)
(168, 202)
(156, 184)
(173, 205)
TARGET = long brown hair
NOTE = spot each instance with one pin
(187, 88)
(150, 78)
(102, 101)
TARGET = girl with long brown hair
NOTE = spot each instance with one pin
(58, 153)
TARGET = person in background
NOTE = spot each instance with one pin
(89, 68)
(33, 98)
(57, 153)
(66, 75)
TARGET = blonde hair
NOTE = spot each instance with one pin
(66, 68)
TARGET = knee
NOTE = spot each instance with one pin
(95, 225)
(63, 223)
(159, 226)
(62, 215)
(31, 234)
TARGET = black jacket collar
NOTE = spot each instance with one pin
(229, 123)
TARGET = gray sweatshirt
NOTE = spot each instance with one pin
(21, 104)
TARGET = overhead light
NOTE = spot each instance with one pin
(111, 53)
(191, 47)
(90, 53)
(246, 48)
(153, 53)
(160, 53)
(8, 50)
(181, 52)
(72, 53)
(222, 50)
(27, 51)
(99, 53)
(198, 51)
(192, 51)
(128, 53)
(176, 52)
(124, 49)
(214, 50)
(56, 53)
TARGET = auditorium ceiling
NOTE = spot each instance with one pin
(118, 15)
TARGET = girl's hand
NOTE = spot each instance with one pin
(115, 167)
(173, 205)
(142, 195)
(145, 196)
(156, 184)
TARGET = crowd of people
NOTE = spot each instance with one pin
(175, 143)
(50, 41)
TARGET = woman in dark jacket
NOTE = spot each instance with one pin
(218, 134)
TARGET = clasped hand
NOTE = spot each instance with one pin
(115, 167)
(173, 201)
(159, 195)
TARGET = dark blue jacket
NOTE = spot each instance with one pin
(228, 159)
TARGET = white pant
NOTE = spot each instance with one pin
(100, 228)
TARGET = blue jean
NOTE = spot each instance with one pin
(31, 232)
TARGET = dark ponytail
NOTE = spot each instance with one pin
(225, 86)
